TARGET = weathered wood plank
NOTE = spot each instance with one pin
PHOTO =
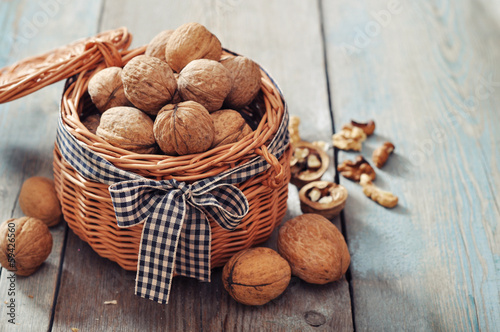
(27, 128)
(284, 38)
(427, 73)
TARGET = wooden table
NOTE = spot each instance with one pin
(426, 71)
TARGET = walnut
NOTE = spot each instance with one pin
(206, 82)
(255, 276)
(381, 154)
(246, 81)
(157, 45)
(230, 127)
(91, 122)
(38, 199)
(308, 163)
(349, 138)
(314, 248)
(184, 128)
(127, 128)
(106, 89)
(368, 127)
(189, 42)
(383, 198)
(323, 197)
(25, 243)
(353, 170)
(293, 129)
(149, 83)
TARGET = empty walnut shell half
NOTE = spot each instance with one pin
(189, 42)
(323, 197)
(308, 163)
(184, 128)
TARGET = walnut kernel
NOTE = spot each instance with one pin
(353, 170)
(381, 154)
(384, 198)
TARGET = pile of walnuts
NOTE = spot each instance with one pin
(181, 97)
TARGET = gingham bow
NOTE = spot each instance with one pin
(167, 207)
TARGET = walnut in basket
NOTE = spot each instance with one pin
(206, 82)
(246, 81)
(128, 128)
(184, 128)
(157, 45)
(230, 127)
(106, 89)
(189, 42)
(149, 83)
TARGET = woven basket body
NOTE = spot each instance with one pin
(87, 205)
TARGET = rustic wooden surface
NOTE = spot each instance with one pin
(425, 71)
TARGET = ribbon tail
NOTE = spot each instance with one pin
(157, 253)
(193, 252)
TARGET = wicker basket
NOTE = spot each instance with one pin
(87, 205)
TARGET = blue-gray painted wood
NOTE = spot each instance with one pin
(27, 131)
(428, 73)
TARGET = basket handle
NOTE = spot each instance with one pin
(34, 73)
(277, 175)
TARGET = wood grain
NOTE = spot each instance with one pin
(422, 72)
(295, 42)
(27, 129)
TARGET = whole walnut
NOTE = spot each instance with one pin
(157, 45)
(106, 89)
(189, 42)
(206, 82)
(230, 127)
(184, 128)
(38, 199)
(25, 243)
(128, 128)
(255, 276)
(149, 83)
(314, 247)
(246, 81)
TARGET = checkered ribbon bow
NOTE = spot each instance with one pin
(176, 234)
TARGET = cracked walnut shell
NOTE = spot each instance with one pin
(127, 128)
(314, 248)
(308, 163)
(246, 81)
(184, 128)
(25, 243)
(106, 89)
(229, 126)
(206, 82)
(255, 276)
(323, 197)
(149, 83)
(189, 42)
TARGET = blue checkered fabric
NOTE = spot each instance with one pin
(176, 234)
